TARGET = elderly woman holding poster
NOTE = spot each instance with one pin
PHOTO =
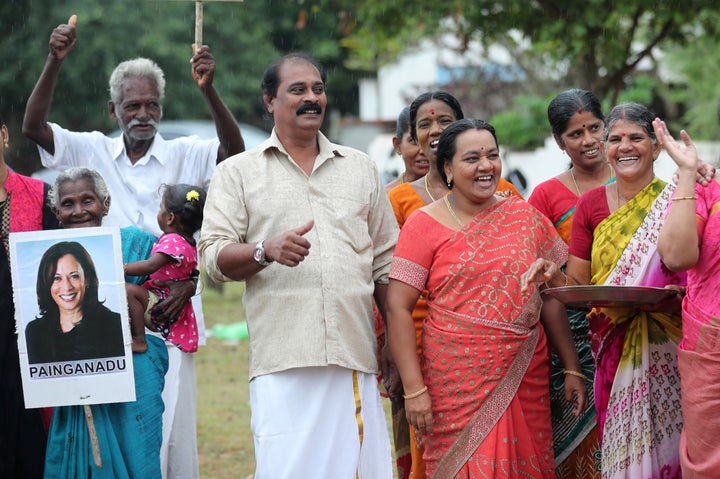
(129, 433)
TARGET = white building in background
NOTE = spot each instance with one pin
(431, 65)
(425, 67)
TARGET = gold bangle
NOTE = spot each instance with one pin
(566, 282)
(415, 394)
(684, 198)
(575, 373)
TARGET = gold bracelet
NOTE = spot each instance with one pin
(684, 198)
(566, 282)
(415, 394)
(575, 373)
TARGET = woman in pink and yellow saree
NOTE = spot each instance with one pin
(479, 396)
(614, 242)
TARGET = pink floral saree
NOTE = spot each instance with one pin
(699, 353)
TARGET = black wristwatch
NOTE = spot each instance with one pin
(259, 254)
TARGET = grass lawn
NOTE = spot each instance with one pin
(225, 443)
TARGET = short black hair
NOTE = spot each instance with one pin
(271, 78)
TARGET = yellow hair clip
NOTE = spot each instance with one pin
(192, 195)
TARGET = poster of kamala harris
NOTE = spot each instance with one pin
(71, 317)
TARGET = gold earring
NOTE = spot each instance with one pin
(449, 181)
(7, 144)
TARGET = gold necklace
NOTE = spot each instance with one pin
(572, 174)
(402, 178)
(428, 186)
(447, 203)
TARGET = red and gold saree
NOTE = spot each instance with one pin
(485, 358)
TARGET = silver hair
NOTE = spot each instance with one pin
(79, 173)
(137, 67)
(632, 112)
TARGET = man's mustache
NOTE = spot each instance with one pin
(309, 107)
(135, 122)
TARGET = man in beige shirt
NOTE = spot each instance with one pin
(306, 223)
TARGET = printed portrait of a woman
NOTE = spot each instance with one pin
(73, 323)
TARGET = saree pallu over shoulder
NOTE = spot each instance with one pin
(624, 251)
(637, 385)
(28, 199)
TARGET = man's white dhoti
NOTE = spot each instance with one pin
(178, 453)
(319, 422)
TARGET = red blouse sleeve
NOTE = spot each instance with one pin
(591, 209)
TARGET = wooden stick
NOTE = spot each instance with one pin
(198, 23)
(93, 436)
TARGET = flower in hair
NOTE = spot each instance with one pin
(192, 195)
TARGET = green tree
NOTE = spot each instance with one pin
(595, 45)
(699, 90)
(244, 37)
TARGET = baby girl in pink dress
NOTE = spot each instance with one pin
(173, 258)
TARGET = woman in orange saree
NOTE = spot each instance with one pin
(479, 395)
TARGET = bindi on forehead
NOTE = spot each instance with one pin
(432, 111)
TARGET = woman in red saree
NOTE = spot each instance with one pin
(479, 395)
(578, 124)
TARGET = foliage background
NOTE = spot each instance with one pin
(596, 44)
(244, 38)
(556, 44)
